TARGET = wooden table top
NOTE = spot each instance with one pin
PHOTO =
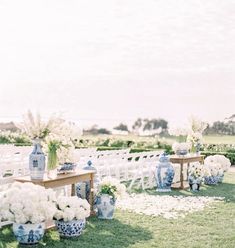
(76, 173)
(186, 158)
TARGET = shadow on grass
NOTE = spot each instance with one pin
(97, 234)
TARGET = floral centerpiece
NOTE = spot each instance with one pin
(60, 144)
(71, 215)
(109, 190)
(196, 128)
(181, 147)
(28, 206)
(195, 176)
(57, 137)
(217, 165)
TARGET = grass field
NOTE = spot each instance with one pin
(213, 227)
(226, 139)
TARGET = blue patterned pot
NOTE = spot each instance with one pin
(220, 178)
(194, 184)
(68, 229)
(37, 162)
(28, 234)
(211, 180)
(164, 174)
(181, 152)
(83, 188)
(105, 205)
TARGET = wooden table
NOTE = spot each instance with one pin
(185, 160)
(66, 179)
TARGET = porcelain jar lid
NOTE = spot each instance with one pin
(164, 158)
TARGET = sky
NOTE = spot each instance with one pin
(109, 61)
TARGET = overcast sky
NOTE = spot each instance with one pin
(115, 60)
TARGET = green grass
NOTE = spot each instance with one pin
(213, 227)
(219, 139)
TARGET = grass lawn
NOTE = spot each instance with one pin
(213, 227)
(223, 139)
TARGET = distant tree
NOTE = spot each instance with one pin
(9, 126)
(94, 130)
(155, 124)
(103, 131)
(150, 125)
(220, 127)
(121, 127)
(138, 124)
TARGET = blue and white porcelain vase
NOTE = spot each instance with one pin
(37, 162)
(164, 173)
(105, 205)
(83, 188)
(68, 229)
(194, 183)
(28, 234)
(220, 178)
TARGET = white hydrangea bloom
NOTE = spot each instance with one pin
(27, 203)
(69, 208)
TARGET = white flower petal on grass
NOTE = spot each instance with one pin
(166, 206)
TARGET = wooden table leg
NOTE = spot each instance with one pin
(91, 196)
(187, 169)
(73, 190)
(181, 176)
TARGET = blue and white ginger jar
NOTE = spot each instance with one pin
(194, 183)
(83, 188)
(105, 206)
(164, 174)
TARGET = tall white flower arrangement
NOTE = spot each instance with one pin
(196, 128)
(27, 203)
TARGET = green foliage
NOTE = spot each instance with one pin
(13, 138)
(108, 189)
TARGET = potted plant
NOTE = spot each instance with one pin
(195, 176)
(221, 163)
(28, 206)
(71, 214)
(109, 190)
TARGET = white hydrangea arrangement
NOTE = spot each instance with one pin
(71, 208)
(27, 203)
(218, 160)
(112, 187)
(181, 147)
(214, 169)
(196, 171)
